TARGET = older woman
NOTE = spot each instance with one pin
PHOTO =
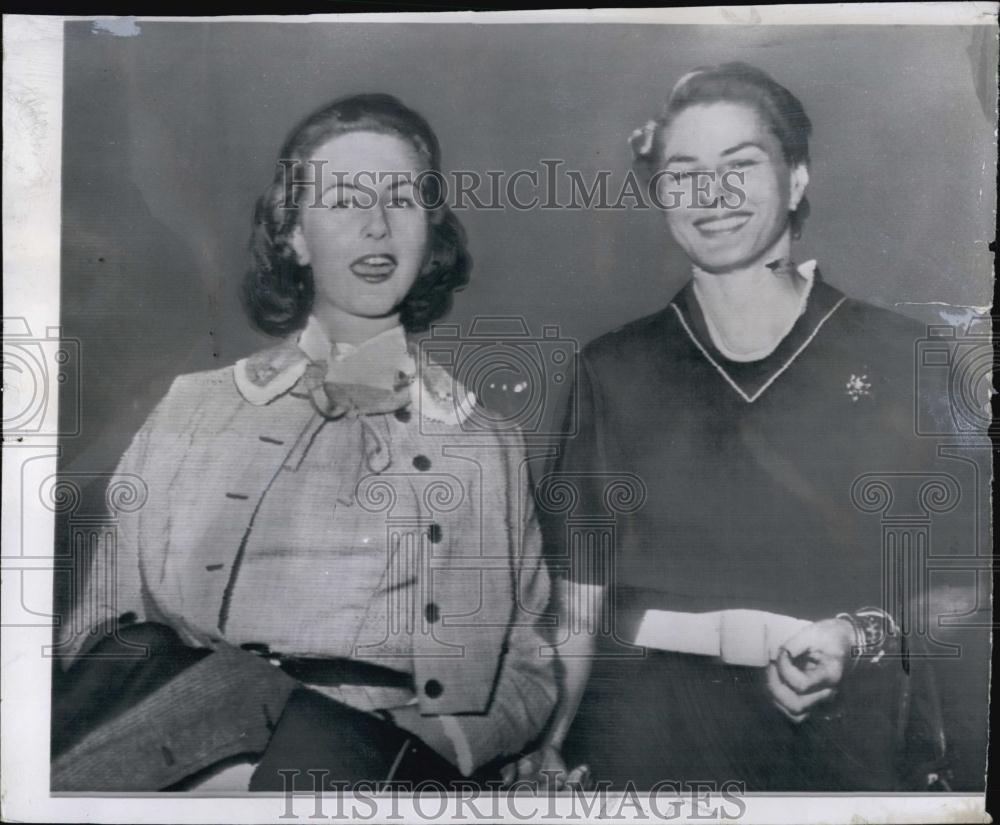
(739, 642)
(304, 571)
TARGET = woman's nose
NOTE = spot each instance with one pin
(715, 190)
(704, 191)
(376, 221)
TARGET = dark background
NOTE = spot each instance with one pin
(171, 134)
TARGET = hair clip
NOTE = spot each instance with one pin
(682, 82)
(641, 139)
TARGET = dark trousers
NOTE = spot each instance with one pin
(128, 720)
(681, 718)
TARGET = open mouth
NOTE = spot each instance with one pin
(722, 225)
(374, 268)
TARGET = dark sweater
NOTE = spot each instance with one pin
(747, 468)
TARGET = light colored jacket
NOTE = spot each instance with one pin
(453, 507)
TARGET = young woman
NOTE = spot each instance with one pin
(324, 575)
(736, 642)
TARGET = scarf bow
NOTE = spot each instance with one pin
(368, 381)
(335, 399)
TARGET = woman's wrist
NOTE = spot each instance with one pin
(875, 634)
(857, 640)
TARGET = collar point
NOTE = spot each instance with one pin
(262, 377)
(440, 398)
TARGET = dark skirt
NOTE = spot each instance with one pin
(143, 712)
(681, 718)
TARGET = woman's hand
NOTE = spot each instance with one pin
(545, 766)
(810, 667)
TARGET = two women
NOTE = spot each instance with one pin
(324, 574)
(290, 522)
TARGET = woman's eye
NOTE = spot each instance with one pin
(350, 199)
(403, 201)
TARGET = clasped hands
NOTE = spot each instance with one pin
(546, 767)
(806, 671)
(809, 667)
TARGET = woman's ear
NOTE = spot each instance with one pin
(297, 243)
(799, 180)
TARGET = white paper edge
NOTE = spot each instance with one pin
(874, 14)
(32, 118)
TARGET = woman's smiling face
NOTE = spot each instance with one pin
(718, 233)
(366, 243)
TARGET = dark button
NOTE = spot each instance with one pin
(256, 647)
(434, 533)
(403, 414)
(127, 618)
(422, 463)
(432, 612)
(433, 688)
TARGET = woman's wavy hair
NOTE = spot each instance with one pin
(734, 82)
(278, 292)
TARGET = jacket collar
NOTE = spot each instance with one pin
(271, 373)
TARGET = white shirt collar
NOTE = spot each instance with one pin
(315, 343)
(264, 376)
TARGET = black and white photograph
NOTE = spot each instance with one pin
(500, 417)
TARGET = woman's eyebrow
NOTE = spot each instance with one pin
(679, 159)
(343, 184)
(747, 144)
(397, 182)
(339, 183)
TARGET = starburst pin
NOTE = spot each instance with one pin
(857, 386)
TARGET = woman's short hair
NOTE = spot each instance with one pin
(278, 292)
(735, 82)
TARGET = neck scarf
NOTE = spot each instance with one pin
(357, 382)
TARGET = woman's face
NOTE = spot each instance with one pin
(367, 241)
(729, 141)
